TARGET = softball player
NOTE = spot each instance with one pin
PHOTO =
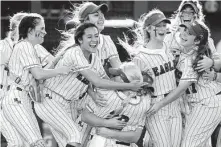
(126, 106)
(6, 46)
(204, 96)
(154, 56)
(60, 91)
(24, 66)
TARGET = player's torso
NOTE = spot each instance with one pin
(162, 67)
(16, 68)
(134, 111)
(73, 85)
(201, 89)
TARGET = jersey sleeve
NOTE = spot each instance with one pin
(111, 51)
(28, 55)
(188, 72)
(74, 58)
(5, 53)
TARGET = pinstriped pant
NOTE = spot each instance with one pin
(54, 112)
(165, 126)
(18, 111)
(13, 138)
(201, 122)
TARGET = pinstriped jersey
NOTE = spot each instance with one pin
(200, 88)
(106, 49)
(135, 109)
(24, 57)
(161, 63)
(42, 53)
(6, 47)
(69, 86)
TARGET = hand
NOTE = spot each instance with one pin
(154, 109)
(115, 123)
(209, 75)
(65, 70)
(105, 132)
(137, 85)
(204, 64)
(99, 99)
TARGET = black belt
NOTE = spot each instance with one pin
(17, 88)
(123, 143)
(218, 93)
(153, 96)
(1, 86)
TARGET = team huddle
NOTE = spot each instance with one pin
(170, 88)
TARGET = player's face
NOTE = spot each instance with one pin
(187, 39)
(39, 32)
(187, 15)
(90, 40)
(158, 31)
(98, 19)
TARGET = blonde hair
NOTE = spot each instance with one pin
(132, 72)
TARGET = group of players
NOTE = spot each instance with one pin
(171, 85)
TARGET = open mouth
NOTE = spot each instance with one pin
(101, 22)
(94, 45)
(186, 21)
(183, 39)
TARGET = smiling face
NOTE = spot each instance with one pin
(98, 19)
(187, 39)
(39, 32)
(187, 15)
(158, 31)
(90, 40)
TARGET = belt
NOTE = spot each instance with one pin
(153, 96)
(17, 88)
(218, 93)
(1, 86)
(123, 143)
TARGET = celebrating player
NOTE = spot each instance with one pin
(6, 46)
(60, 91)
(154, 56)
(126, 106)
(24, 67)
(203, 95)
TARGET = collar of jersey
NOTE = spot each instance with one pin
(101, 41)
(161, 52)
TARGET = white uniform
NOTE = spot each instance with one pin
(9, 132)
(204, 101)
(61, 90)
(17, 105)
(165, 127)
(135, 110)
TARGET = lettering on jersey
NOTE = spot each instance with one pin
(166, 67)
(191, 88)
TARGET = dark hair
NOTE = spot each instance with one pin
(28, 22)
(203, 47)
(79, 32)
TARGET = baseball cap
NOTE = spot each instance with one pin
(89, 8)
(156, 18)
(190, 3)
(194, 28)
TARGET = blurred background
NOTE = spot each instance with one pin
(56, 14)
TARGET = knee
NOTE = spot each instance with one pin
(38, 143)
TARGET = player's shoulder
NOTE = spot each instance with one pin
(22, 44)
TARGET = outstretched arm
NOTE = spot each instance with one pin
(125, 136)
(172, 96)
